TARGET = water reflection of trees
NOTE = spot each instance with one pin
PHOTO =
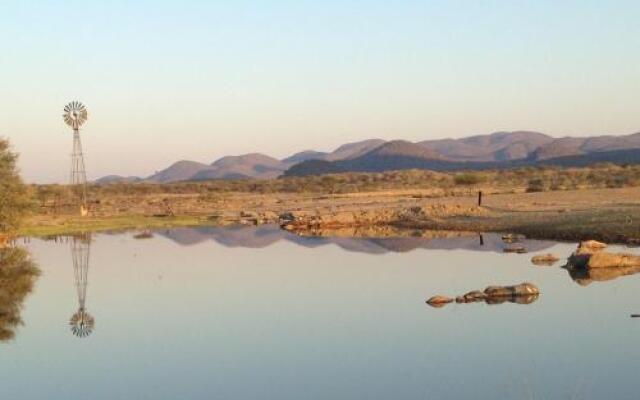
(81, 322)
(18, 274)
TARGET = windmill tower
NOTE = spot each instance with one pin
(75, 114)
(81, 323)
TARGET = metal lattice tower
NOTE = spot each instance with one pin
(75, 114)
(82, 323)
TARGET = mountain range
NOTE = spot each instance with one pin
(496, 150)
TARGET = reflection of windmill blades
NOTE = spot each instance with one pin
(82, 323)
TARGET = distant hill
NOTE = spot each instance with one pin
(178, 171)
(569, 146)
(499, 146)
(496, 150)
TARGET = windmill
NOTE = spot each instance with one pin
(75, 114)
(81, 323)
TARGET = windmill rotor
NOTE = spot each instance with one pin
(75, 114)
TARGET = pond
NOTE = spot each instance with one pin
(260, 313)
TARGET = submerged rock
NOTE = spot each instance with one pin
(545, 259)
(439, 301)
(523, 289)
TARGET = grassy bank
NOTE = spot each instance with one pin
(66, 225)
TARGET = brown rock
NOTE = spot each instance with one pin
(515, 249)
(610, 260)
(474, 295)
(439, 301)
(592, 245)
(544, 259)
(523, 289)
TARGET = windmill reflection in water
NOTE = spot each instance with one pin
(81, 323)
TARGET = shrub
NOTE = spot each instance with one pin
(467, 179)
(14, 197)
(535, 185)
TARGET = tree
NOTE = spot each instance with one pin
(14, 197)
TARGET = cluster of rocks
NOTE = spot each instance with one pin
(244, 217)
(524, 293)
(301, 220)
(591, 262)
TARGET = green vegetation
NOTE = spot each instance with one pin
(17, 277)
(552, 178)
(468, 178)
(75, 224)
(15, 200)
(535, 185)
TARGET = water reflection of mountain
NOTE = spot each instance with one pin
(266, 235)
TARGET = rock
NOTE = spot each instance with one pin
(286, 218)
(512, 238)
(512, 299)
(585, 276)
(460, 299)
(474, 295)
(613, 260)
(544, 259)
(515, 249)
(248, 214)
(439, 301)
(592, 245)
(523, 289)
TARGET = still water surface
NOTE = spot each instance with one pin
(246, 313)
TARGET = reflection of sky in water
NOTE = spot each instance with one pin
(286, 321)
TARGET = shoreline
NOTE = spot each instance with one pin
(610, 215)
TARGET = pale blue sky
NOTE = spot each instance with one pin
(197, 80)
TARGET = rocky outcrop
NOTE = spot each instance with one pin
(590, 262)
(591, 254)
